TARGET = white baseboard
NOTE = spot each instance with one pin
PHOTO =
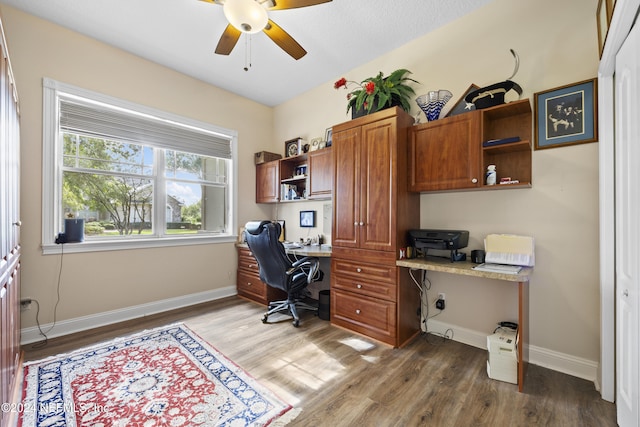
(78, 324)
(561, 362)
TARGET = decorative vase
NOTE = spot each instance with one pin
(432, 103)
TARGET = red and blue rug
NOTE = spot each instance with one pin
(162, 377)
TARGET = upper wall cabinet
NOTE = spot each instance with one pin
(303, 177)
(453, 153)
(268, 182)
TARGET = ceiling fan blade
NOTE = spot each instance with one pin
(284, 40)
(228, 40)
(293, 4)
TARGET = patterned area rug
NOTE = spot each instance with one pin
(162, 377)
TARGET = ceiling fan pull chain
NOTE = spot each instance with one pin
(247, 52)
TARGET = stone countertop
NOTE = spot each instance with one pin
(462, 267)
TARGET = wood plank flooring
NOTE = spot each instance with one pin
(342, 379)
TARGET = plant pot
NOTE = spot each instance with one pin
(395, 102)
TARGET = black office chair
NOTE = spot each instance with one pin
(279, 271)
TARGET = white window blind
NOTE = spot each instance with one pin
(102, 120)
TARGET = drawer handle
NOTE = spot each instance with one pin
(359, 286)
(358, 311)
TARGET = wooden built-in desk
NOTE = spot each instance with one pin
(465, 268)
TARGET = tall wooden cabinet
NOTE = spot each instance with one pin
(9, 234)
(372, 212)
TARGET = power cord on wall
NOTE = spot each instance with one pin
(424, 285)
(45, 341)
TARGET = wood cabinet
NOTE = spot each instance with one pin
(309, 173)
(320, 174)
(268, 182)
(9, 237)
(372, 212)
(248, 282)
(448, 154)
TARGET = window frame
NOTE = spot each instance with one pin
(52, 176)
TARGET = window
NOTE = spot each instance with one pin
(138, 177)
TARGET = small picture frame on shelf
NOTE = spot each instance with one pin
(328, 137)
(292, 147)
(463, 106)
(307, 219)
(566, 115)
(603, 18)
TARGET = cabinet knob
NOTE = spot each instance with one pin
(250, 265)
(359, 286)
(359, 270)
(625, 292)
(474, 180)
(355, 223)
(361, 223)
(248, 283)
(17, 223)
(358, 311)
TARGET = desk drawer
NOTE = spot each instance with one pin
(364, 286)
(250, 286)
(362, 270)
(370, 316)
(246, 260)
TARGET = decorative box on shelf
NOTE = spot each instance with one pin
(265, 156)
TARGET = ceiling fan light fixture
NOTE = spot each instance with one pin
(247, 16)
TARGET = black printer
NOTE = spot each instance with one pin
(448, 240)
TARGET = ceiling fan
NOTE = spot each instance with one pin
(250, 16)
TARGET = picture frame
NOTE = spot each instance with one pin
(566, 115)
(282, 236)
(604, 11)
(328, 137)
(307, 219)
(292, 147)
(462, 106)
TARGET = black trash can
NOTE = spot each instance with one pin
(324, 305)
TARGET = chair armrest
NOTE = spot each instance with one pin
(312, 263)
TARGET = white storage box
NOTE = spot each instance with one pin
(502, 363)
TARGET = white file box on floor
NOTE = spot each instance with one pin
(502, 363)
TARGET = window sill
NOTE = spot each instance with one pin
(109, 245)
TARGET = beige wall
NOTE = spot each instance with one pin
(557, 45)
(98, 282)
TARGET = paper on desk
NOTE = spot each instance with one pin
(509, 249)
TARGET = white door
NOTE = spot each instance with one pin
(627, 158)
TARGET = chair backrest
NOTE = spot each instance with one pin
(263, 241)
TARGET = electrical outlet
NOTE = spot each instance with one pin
(25, 304)
(441, 296)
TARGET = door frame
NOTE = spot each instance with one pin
(623, 18)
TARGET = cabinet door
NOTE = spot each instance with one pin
(445, 154)
(346, 188)
(320, 174)
(377, 176)
(267, 182)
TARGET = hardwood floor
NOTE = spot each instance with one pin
(341, 379)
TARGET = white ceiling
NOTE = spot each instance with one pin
(182, 35)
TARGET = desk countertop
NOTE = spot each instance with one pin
(311, 250)
(462, 267)
(323, 251)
